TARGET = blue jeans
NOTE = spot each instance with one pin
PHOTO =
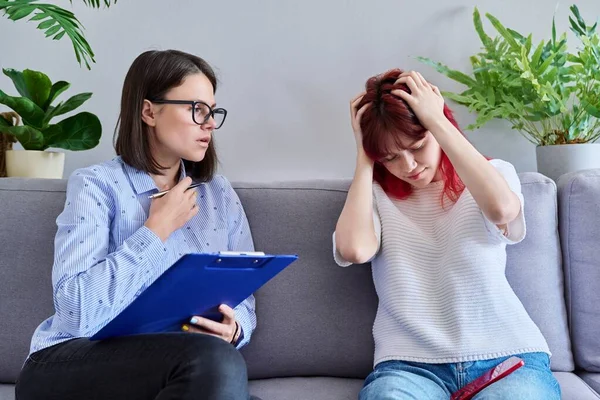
(409, 380)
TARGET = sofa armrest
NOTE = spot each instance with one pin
(579, 225)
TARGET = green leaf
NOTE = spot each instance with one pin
(52, 30)
(18, 80)
(485, 39)
(55, 91)
(553, 29)
(38, 16)
(46, 24)
(38, 85)
(52, 16)
(79, 132)
(96, 3)
(71, 104)
(19, 11)
(491, 97)
(460, 99)
(575, 12)
(503, 31)
(450, 73)
(30, 112)
(59, 36)
(29, 137)
(575, 28)
(592, 110)
(535, 59)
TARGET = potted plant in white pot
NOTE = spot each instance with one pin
(550, 95)
(35, 107)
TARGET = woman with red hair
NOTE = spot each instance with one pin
(434, 217)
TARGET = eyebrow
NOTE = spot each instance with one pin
(211, 106)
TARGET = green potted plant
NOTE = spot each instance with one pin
(36, 107)
(546, 92)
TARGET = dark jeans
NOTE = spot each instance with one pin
(178, 366)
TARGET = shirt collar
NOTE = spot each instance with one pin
(142, 182)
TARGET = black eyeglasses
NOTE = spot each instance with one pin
(201, 112)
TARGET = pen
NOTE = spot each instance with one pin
(161, 194)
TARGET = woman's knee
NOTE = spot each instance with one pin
(208, 353)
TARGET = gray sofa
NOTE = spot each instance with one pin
(313, 339)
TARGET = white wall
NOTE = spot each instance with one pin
(288, 69)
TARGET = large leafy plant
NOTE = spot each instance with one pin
(56, 22)
(78, 132)
(551, 95)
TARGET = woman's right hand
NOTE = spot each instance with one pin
(355, 116)
(171, 211)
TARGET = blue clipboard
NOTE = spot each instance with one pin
(195, 285)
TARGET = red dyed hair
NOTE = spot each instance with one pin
(390, 117)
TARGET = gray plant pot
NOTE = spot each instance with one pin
(554, 161)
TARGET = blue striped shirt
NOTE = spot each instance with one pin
(104, 256)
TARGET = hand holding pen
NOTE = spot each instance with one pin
(172, 209)
(162, 193)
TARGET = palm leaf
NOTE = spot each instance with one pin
(55, 22)
(96, 3)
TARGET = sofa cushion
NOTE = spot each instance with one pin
(28, 210)
(573, 387)
(314, 388)
(7, 392)
(534, 268)
(579, 197)
(314, 318)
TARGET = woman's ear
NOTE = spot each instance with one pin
(148, 113)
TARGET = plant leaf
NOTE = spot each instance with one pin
(18, 80)
(485, 39)
(59, 36)
(18, 12)
(79, 132)
(450, 73)
(575, 28)
(38, 85)
(46, 24)
(55, 91)
(38, 16)
(30, 112)
(96, 3)
(53, 16)
(71, 104)
(577, 15)
(503, 31)
(591, 109)
(52, 30)
(29, 137)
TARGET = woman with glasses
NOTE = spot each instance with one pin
(116, 236)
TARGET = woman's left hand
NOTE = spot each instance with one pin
(424, 99)
(227, 330)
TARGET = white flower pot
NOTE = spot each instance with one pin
(554, 161)
(35, 164)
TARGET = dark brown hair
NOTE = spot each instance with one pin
(151, 76)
